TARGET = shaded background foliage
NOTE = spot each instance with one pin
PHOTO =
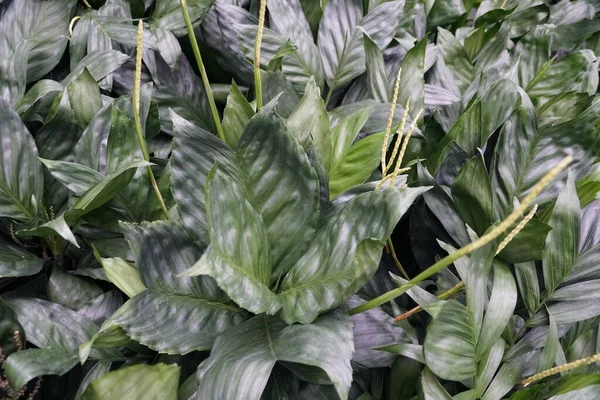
(276, 229)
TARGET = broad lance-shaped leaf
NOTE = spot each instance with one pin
(321, 278)
(15, 261)
(309, 122)
(562, 243)
(242, 358)
(57, 331)
(137, 382)
(195, 151)
(23, 366)
(340, 40)
(287, 18)
(21, 174)
(236, 115)
(238, 257)
(42, 25)
(281, 186)
(185, 314)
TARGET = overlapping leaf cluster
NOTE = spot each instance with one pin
(278, 218)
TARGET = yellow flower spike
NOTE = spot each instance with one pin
(71, 25)
(259, 34)
(405, 140)
(87, 4)
(517, 229)
(390, 121)
(463, 251)
(561, 368)
(137, 79)
(399, 133)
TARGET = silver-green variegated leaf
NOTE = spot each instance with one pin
(21, 176)
(320, 279)
(242, 358)
(186, 314)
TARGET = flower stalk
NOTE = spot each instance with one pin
(137, 78)
(482, 241)
(209, 94)
(259, 34)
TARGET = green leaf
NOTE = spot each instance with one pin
(195, 151)
(15, 261)
(450, 343)
(21, 175)
(51, 326)
(279, 89)
(236, 115)
(548, 355)
(38, 90)
(186, 313)
(99, 64)
(40, 25)
(71, 291)
(238, 368)
(432, 389)
(535, 53)
(472, 194)
(562, 243)
(84, 95)
(377, 82)
(76, 177)
(340, 37)
(105, 190)
(23, 366)
(456, 57)
(57, 226)
(137, 382)
(309, 122)
(238, 256)
(287, 19)
(445, 12)
(578, 67)
(123, 275)
(345, 132)
(287, 199)
(356, 164)
(499, 309)
(412, 81)
(319, 280)
(529, 286)
(100, 369)
(564, 384)
(528, 245)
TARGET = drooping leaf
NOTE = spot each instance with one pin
(562, 242)
(15, 261)
(21, 172)
(240, 368)
(320, 278)
(23, 366)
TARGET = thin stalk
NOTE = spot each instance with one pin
(395, 258)
(458, 287)
(259, 34)
(561, 368)
(329, 93)
(205, 82)
(482, 241)
(443, 296)
(136, 115)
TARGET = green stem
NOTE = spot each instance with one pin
(329, 93)
(205, 82)
(259, 34)
(136, 116)
(395, 258)
(482, 241)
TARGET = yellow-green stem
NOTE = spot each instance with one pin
(482, 241)
(395, 258)
(136, 115)
(259, 34)
(205, 82)
(561, 368)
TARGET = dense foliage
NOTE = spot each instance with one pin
(299, 199)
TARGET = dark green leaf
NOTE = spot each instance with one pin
(15, 261)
